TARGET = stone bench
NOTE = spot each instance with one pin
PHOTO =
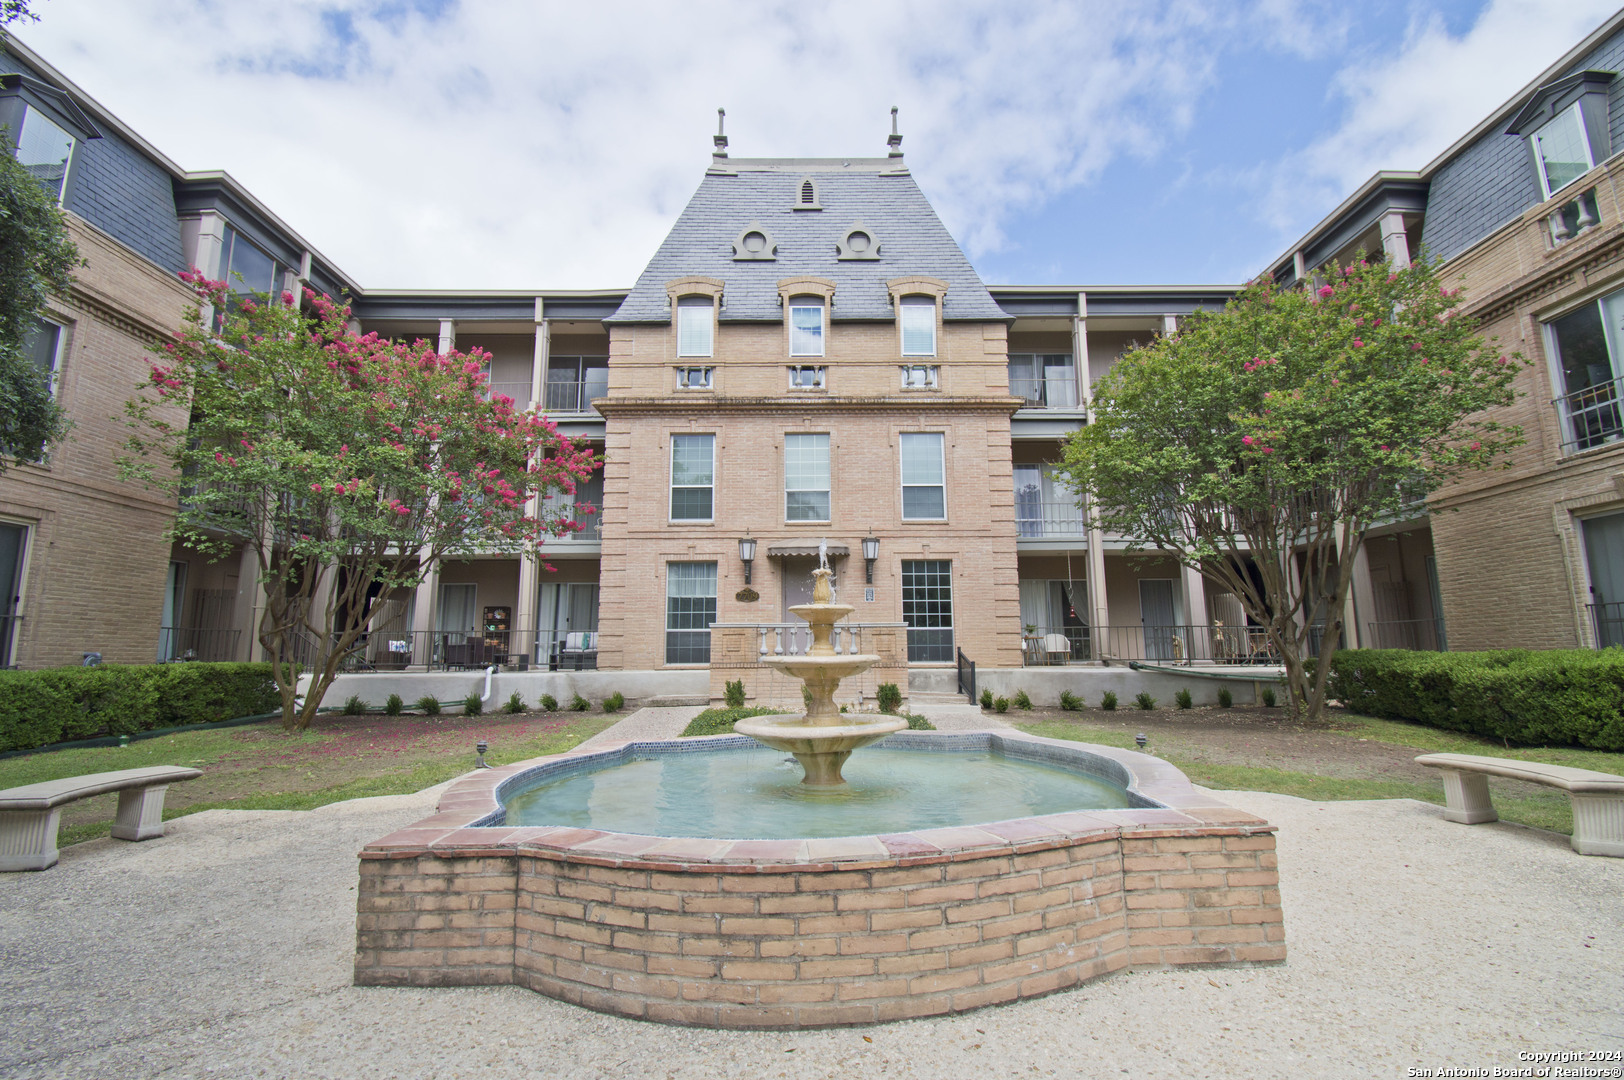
(1597, 797)
(29, 815)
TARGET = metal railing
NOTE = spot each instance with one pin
(197, 643)
(1418, 635)
(575, 397)
(1591, 416)
(795, 639)
(565, 650)
(1041, 393)
(1034, 520)
(967, 675)
(1211, 643)
(1048, 645)
(417, 650)
(519, 391)
(1607, 620)
(591, 524)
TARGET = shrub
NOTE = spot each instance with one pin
(1182, 699)
(986, 699)
(1108, 700)
(890, 697)
(1560, 696)
(1144, 701)
(393, 705)
(721, 721)
(51, 705)
(579, 703)
(614, 702)
(354, 706)
(1070, 701)
(733, 694)
(428, 705)
(549, 703)
(472, 706)
(1021, 700)
(1226, 699)
(918, 723)
(1268, 697)
(1001, 704)
(515, 703)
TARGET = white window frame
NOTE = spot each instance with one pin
(1539, 159)
(696, 378)
(828, 476)
(930, 376)
(912, 302)
(713, 597)
(55, 380)
(672, 486)
(703, 310)
(818, 375)
(902, 477)
(796, 346)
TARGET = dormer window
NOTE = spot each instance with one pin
(859, 242)
(696, 319)
(43, 129)
(806, 195)
(1562, 151)
(755, 244)
(45, 150)
(918, 325)
(806, 326)
(1566, 127)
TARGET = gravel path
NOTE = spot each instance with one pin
(224, 949)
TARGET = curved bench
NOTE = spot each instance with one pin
(1597, 797)
(29, 815)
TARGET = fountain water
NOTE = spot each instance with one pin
(822, 738)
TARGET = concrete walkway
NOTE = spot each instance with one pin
(650, 722)
(224, 950)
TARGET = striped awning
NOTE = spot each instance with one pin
(779, 551)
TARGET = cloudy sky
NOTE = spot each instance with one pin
(518, 145)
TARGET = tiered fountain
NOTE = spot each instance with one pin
(822, 738)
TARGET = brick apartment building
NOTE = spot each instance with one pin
(810, 357)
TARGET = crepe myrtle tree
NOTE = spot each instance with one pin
(347, 461)
(1259, 444)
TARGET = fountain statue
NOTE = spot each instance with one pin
(821, 739)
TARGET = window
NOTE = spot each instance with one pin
(42, 345)
(1044, 504)
(918, 326)
(695, 325)
(1582, 344)
(1044, 380)
(45, 150)
(923, 488)
(573, 381)
(693, 476)
(927, 608)
(1562, 150)
(694, 378)
(806, 326)
(920, 376)
(13, 546)
(805, 377)
(806, 477)
(246, 270)
(690, 608)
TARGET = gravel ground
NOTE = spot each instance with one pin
(224, 949)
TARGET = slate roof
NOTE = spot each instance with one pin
(878, 192)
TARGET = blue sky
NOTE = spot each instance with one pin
(515, 145)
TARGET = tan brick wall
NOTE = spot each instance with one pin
(433, 921)
(863, 411)
(97, 559)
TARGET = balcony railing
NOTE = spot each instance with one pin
(1050, 393)
(1590, 417)
(519, 391)
(574, 397)
(1607, 620)
(420, 650)
(1169, 644)
(1048, 645)
(1417, 635)
(591, 524)
(1038, 520)
(197, 643)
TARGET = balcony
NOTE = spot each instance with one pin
(575, 397)
(1590, 417)
(518, 391)
(1052, 392)
(1048, 520)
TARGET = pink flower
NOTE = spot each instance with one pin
(1326, 291)
(1246, 440)
(1477, 446)
(1385, 446)
(1357, 344)
(1415, 346)
(338, 489)
(287, 298)
(1268, 449)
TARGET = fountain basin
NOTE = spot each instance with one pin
(821, 748)
(810, 932)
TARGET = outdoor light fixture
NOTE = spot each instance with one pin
(747, 553)
(481, 746)
(1139, 740)
(871, 551)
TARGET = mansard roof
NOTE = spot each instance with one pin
(739, 194)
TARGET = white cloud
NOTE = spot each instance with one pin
(1403, 110)
(515, 145)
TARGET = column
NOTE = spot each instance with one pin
(1099, 618)
(1299, 267)
(448, 336)
(1079, 354)
(524, 612)
(250, 606)
(1170, 325)
(538, 367)
(1198, 642)
(1395, 241)
(425, 610)
(209, 257)
(1360, 607)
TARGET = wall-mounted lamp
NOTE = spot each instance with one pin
(747, 553)
(871, 551)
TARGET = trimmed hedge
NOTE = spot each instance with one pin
(53, 705)
(1562, 696)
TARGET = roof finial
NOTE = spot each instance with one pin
(895, 141)
(720, 139)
